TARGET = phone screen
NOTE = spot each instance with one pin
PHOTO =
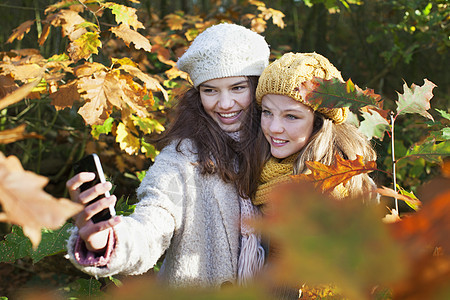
(91, 163)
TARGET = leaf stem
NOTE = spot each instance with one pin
(394, 163)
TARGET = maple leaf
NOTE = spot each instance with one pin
(89, 68)
(175, 22)
(258, 25)
(25, 203)
(373, 125)
(148, 125)
(68, 20)
(416, 99)
(276, 15)
(124, 15)
(20, 31)
(24, 73)
(11, 135)
(19, 93)
(65, 96)
(130, 36)
(84, 46)
(333, 93)
(328, 177)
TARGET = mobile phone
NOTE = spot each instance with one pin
(91, 163)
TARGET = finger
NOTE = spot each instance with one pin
(74, 183)
(95, 191)
(94, 208)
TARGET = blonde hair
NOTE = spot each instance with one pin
(329, 139)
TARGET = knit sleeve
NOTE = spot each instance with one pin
(141, 238)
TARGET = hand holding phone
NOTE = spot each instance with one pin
(91, 163)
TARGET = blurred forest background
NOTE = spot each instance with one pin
(378, 44)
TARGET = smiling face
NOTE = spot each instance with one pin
(226, 100)
(287, 124)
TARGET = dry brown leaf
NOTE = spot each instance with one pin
(130, 36)
(150, 82)
(19, 93)
(20, 31)
(88, 69)
(7, 85)
(44, 34)
(65, 96)
(25, 203)
(68, 20)
(391, 193)
(24, 72)
(11, 135)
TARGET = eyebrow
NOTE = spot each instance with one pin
(234, 84)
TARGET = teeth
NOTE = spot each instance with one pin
(276, 141)
(229, 115)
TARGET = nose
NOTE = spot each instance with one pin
(226, 101)
(276, 126)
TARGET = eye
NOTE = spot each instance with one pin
(207, 90)
(239, 88)
(291, 117)
(266, 113)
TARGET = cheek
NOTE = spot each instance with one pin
(244, 100)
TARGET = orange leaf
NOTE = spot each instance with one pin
(175, 22)
(44, 34)
(25, 203)
(328, 177)
(20, 31)
(11, 135)
(7, 85)
(130, 36)
(150, 82)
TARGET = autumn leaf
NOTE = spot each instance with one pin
(89, 69)
(124, 15)
(68, 20)
(409, 198)
(16, 134)
(130, 36)
(276, 15)
(163, 55)
(148, 125)
(44, 34)
(333, 93)
(65, 96)
(328, 177)
(24, 73)
(258, 25)
(416, 99)
(318, 240)
(174, 21)
(84, 46)
(20, 31)
(431, 150)
(127, 137)
(7, 85)
(25, 203)
(19, 93)
(373, 125)
(150, 82)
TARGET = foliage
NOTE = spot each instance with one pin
(101, 77)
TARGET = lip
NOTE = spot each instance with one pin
(275, 144)
(232, 118)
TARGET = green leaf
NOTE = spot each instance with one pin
(444, 114)
(147, 125)
(123, 208)
(408, 194)
(149, 150)
(124, 14)
(16, 245)
(416, 99)
(86, 289)
(333, 93)
(105, 128)
(373, 125)
(432, 151)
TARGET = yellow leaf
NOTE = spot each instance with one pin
(124, 15)
(25, 203)
(150, 82)
(85, 46)
(24, 73)
(175, 22)
(130, 36)
(123, 61)
(19, 93)
(127, 141)
(259, 25)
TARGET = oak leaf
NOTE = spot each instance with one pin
(124, 15)
(373, 125)
(416, 99)
(150, 82)
(431, 150)
(20, 31)
(89, 68)
(25, 203)
(24, 72)
(11, 135)
(130, 36)
(328, 177)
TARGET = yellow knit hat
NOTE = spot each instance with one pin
(285, 75)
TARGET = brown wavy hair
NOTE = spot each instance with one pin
(217, 152)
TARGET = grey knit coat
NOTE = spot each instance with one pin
(194, 219)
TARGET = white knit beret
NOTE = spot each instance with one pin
(225, 50)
